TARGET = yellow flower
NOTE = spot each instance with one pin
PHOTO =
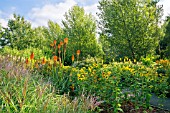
(89, 68)
(81, 76)
(113, 59)
(134, 60)
(126, 58)
(104, 65)
(109, 72)
(141, 74)
(52, 44)
(94, 72)
(95, 65)
(43, 61)
(82, 70)
(142, 67)
(78, 75)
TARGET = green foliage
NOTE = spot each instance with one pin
(50, 33)
(99, 81)
(22, 53)
(130, 26)
(81, 31)
(19, 33)
(3, 42)
(24, 91)
(164, 45)
(164, 71)
(106, 46)
(41, 40)
(114, 83)
(54, 32)
(147, 61)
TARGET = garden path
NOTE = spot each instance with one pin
(155, 101)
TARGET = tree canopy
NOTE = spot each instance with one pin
(164, 45)
(18, 33)
(81, 30)
(131, 26)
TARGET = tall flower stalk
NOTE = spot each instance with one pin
(65, 46)
(32, 58)
(78, 53)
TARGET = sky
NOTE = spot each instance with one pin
(38, 12)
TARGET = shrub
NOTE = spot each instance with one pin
(22, 53)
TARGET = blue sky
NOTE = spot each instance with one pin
(38, 12)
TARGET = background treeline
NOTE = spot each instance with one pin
(127, 28)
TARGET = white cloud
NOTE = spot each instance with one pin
(166, 7)
(4, 17)
(13, 9)
(40, 16)
(54, 12)
(92, 9)
(3, 22)
(86, 2)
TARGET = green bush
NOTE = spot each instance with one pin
(38, 53)
(147, 61)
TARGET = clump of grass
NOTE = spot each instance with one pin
(13, 66)
(21, 91)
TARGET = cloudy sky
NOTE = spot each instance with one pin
(38, 12)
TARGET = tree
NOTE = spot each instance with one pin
(2, 40)
(46, 35)
(131, 26)
(81, 31)
(164, 45)
(55, 32)
(108, 56)
(167, 38)
(19, 33)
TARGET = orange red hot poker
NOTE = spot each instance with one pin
(72, 58)
(66, 40)
(55, 58)
(32, 56)
(78, 52)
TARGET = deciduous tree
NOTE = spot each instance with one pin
(81, 31)
(131, 26)
(19, 33)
